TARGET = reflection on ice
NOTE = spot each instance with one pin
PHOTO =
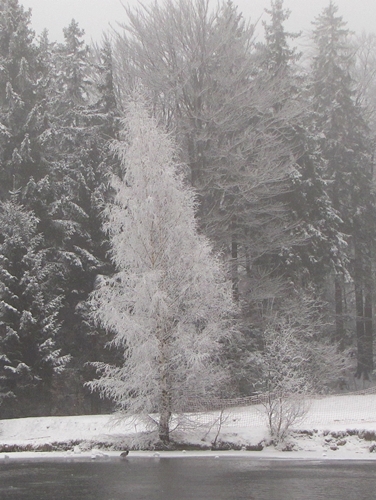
(186, 478)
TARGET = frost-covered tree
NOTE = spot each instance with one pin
(168, 305)
(200, 68)
(199, 65)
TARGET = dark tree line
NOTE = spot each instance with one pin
(58, 113)
(280, 154)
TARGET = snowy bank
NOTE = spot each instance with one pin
(340, 427)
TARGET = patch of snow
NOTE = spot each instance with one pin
(324, 433)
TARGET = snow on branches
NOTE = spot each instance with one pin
(169, 304)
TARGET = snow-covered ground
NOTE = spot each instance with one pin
(340, 427)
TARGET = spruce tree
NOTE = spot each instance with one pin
(349, 165)
(78, 123)
(316, 224)
(56, 121)
(29, 309)
(279, 55)
(19, 100)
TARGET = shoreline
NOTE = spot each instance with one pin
(335, 427)
(258, 456)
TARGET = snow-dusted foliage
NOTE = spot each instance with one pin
(348, 150)
(297, 361)
(314, 220)
(29, 306)
(169, 305)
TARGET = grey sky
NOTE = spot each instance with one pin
(95, 16)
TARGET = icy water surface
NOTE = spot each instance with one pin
(190, 478)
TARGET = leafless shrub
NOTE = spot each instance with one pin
(283, 411)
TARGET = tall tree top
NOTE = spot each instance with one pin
(73, 35)
(72, 66)
(15, 35)
(330, 30)
(333, 61)
(16, 42)
(279, 53)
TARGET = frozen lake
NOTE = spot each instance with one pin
(206, 478)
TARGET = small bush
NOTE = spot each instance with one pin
(254, 447)
(368, 435)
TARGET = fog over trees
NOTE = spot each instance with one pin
(185, 210)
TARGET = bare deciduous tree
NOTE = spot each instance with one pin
(297, 361)
(200, 67)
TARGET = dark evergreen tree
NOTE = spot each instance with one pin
(30, 329)
(105, 112)
(81, 120)
(59, 160)
(279, 57)
(29, 310)
(316, 224)
(349, 169)
(20, 121)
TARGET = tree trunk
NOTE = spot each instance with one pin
(368, 328)
(340, 327)
(360, 333)
(164, 418)
(363, 303)
(165, 398)
(234, 261)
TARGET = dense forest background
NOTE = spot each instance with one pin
(278, 145)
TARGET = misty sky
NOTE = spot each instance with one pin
(95, 16)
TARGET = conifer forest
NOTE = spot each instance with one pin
(187, 210)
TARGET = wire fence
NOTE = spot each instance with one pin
(344, 409)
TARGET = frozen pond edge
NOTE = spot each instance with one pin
(247, 455)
